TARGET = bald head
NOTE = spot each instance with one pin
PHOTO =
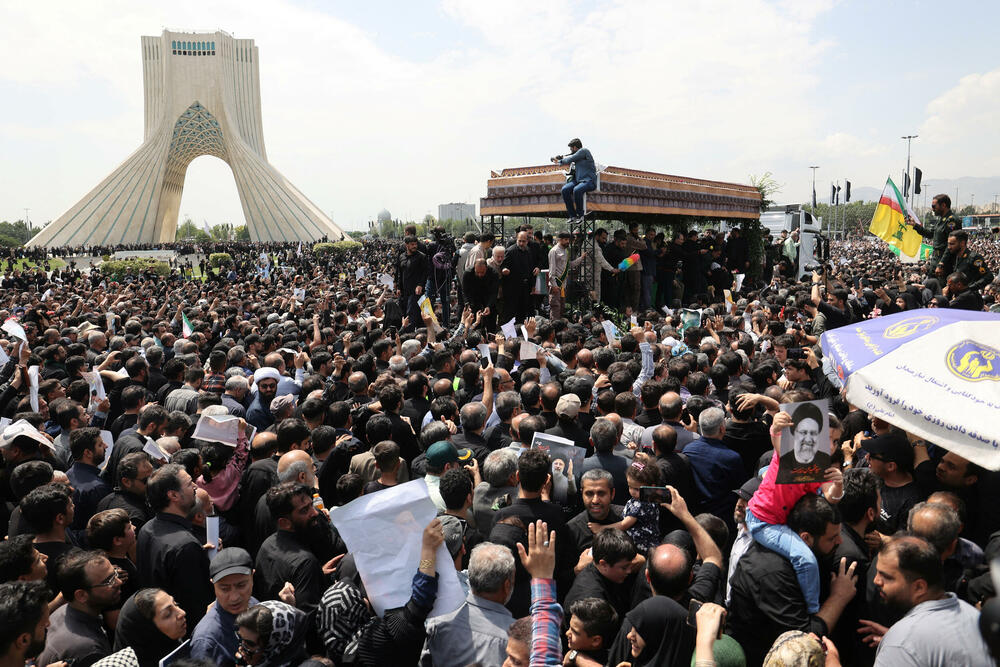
(585, 358)
(296, 466)
(263, 444)
(357, 382)
(442, 387)
(671, 405)
(275, 361)
(616, 419)
(515, 424)
(669, 571)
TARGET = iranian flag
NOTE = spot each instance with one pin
(889, 224)
(186, 328)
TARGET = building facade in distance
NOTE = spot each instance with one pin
(202, 97)
(457, 212)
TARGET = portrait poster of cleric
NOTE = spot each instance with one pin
(805, 447)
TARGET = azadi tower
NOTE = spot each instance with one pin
(202, 98)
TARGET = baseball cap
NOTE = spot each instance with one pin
(454, 533)
(890, 447)
(568, 406)
(442, 452)
(231, 560)
(748, 489)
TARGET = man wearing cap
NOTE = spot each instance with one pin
(441, 457)
(559, 267)
(567, 425)
(214, 638)
(259, 413)
(890, 457)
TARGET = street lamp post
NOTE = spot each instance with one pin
(909, 138)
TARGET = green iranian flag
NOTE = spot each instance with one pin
(186, 327)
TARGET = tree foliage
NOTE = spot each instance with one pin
(241, 233)
(189, 230)
(15, 233)
(119, 268)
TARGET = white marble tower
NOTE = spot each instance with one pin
(202, 98)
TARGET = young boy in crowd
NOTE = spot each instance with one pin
(387, 461)
(593, 625)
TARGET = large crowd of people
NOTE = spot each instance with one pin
(352, 372)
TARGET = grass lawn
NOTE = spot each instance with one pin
(21, 264)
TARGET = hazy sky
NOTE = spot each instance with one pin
(406, 105)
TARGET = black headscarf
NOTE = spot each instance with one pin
(662, 624)
(141, 633)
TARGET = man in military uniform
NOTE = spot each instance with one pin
(946, 224)
(960, 259)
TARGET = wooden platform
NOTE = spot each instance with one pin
(623, 194)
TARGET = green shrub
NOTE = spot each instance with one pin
(120, 268)
(220, 259)
(346, 246)
(105, 258)
(321, 249)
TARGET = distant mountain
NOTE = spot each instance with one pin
(982, 187)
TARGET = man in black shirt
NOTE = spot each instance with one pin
(835, 308)
(134, 472)
(611, 575)
(412, 271)
(283, 557)
(766, 597)
(890, 457)
(597, 488)
(532, 474)
(168, 555)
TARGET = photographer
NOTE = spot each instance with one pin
(443, 257)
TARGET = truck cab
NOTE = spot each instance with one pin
(791, 217)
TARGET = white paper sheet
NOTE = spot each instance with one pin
(109, 441)
(667, 311)
(633, 320)
(524, 333)
(360, 273)
(610, 330)
(3, 357)
(299, 293)
(33, 386)
(154, 450)
(387, 280)
(738, 282)
(529, 351)
(4, 423)
(484, 351)
(46, 294)
(218, 428)
(96, 383)
(14, 328)
(384, 531)
(182, 651)
(509, 330)
(212, 532)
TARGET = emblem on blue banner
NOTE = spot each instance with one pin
(973, 361)
(910, 326)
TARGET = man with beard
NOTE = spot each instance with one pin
(90, 585)
(24, 619)
(597, 488)
(517, 284)
(937, 628)
(88, 450)
(766, 599)
(284, 556)
(259, 413)
(151, 424)
(168, 555)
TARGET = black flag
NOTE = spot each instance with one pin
(906, 185)
(837, 197)
(814, 197)
(847, 192)
(917, 175)
(833, 193)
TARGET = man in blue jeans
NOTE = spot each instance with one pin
(582, 177)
